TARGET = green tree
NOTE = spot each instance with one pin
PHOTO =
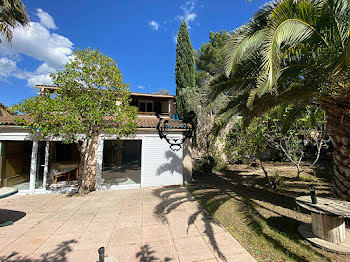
(211, 56)
(185, 72)
(209, 61)
(12, 12)
(295, 52)
(162, 91)
(246, 143)
(91, 99)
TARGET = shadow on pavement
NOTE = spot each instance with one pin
(59, 254)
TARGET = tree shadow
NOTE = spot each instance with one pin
(254, 218)
(10, 215)
(255, 186)
(214, 190)
(59, 254)
(174, 197)
(147, 254)
(173, 164)
(322, 170)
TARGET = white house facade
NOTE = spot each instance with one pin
(33, 165)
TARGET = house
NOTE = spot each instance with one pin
(4, 111)
(144, 160)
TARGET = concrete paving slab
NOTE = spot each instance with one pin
(151, 224)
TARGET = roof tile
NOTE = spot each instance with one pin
(143, 122)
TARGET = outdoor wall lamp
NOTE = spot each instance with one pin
(164, 127)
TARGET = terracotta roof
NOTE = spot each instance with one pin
(152, 122)
(143, 122)
(10, 120)
(151, 95)
(3, 106)
(131, 93)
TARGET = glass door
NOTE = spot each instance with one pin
(121, 162)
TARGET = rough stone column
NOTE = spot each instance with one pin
(187, 161)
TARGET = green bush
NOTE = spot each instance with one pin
(203, 165)
(220, 164)
(245, 143)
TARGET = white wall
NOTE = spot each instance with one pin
(160, 165)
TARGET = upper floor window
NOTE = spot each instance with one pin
(149, 106)
(146, 106)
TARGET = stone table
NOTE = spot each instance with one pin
(328, 226)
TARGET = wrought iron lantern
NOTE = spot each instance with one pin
(164, 127)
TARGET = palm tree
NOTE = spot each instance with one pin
(12, 13)
(294, 51)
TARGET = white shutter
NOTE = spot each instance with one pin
(160, 165)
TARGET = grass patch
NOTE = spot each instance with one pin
(262, 219)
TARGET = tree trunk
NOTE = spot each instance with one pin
(338, 124)
(87, 165)
(91, 158)
(264, 170)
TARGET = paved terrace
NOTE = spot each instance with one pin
(158, 224)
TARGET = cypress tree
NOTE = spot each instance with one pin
(185, 72)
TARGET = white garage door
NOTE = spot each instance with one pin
(160, 165)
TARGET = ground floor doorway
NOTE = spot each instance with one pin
(121, 163)
(60, 161)
(15, 164)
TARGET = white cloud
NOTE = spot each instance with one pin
(154, 25)
(46, 19)
(44, 69)
(141, 87)
(175, 39)
(43, 79)
(36, 41)
(190, 17)
(41, 75)
(7, 67)
(188, 12)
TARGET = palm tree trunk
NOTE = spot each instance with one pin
(338, 124)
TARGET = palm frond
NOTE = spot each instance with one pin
(235, 106)
(289, 32)
(12, 13)
(338, 11)
(6, 30)
(241, 47)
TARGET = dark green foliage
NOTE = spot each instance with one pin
(185, 72)
(212, 55)
(245, 143)
(290, 52)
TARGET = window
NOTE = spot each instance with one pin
(150, 107)
(146, 106)
(142, 107)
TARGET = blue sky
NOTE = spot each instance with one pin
(139, 35)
